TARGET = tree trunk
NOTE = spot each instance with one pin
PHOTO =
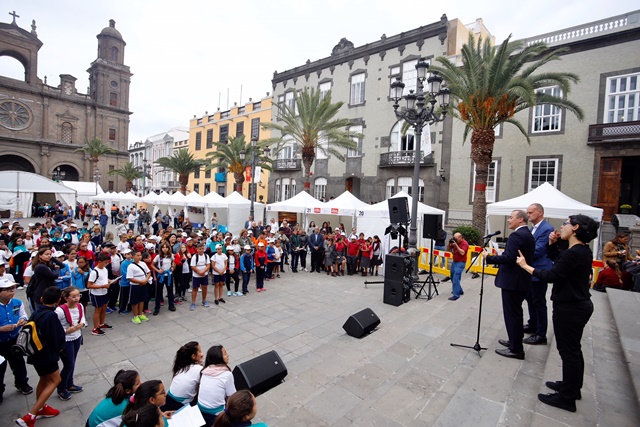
(184, 180)
(481, 153)
(308, 155)
(239, 177)
(128, 186)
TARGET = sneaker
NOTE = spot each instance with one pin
(258, 289)
(178, 302)
(143, 318)
(74, 389)
(192, 307)
(20, 288)
(277, 275)
(239, 294)
(222, 301)
(110, 310)
(27, 389)
(264, 289)
(206, 304)
(105, 326)
(147, 311)
(228, 293)
(124, 312)
(64, 395)
(98, 332)
(215, 302)
(47, 412)
(136, 320)
(27, 421)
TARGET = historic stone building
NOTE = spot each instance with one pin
(42, 125)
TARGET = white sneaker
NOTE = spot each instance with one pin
(238, 294)
(228, 293)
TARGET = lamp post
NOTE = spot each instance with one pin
(58, 175)
(419, 112)
(252, 184)
(145, 167)
(96, 178)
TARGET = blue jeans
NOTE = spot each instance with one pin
(245, 282)
(68, 357)
(456, 275)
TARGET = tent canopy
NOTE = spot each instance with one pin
(85, 190)
(344, 204)
(17, 189)
(381, 210)
(302, 202)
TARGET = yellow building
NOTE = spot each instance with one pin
(207, 131)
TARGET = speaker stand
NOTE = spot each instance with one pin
(429, 280)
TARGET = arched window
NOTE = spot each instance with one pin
(320, 189)
(293, 187)
(278, 189)
(404, 142)
(114, 54)
(66, 133)
(391, 187)
(404, 184)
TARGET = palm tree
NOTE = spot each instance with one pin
(94, 149)
(129, 173)
(228, 156)
(311, 127)
(182, 163)
(491, 87)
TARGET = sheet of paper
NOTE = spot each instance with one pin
(187, 416)
(2, 359)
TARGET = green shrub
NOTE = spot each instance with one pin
(470, 234)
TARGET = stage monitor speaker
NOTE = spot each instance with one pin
(362, 323)
(393, 292)
(398, 210)
(394, 267)
(260, 374)
(432, 226)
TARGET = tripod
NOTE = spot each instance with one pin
(477, 347)
(429, 280)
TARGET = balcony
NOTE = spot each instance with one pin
(402, 158)
(614, 131)
(287, 165)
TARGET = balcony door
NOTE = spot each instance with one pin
(609, 185)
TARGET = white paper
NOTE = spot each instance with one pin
(187, 416)
(2, 359)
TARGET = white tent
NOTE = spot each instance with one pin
(238, 208)
(215, 202)
(302, 203)
(17, 189)
(557, 205)
(177, 199)
(194, 199)
(341, 210)
(85, 190)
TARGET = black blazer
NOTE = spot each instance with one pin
(510, 275)
(316, 239)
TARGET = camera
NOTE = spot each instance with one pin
(452, 241)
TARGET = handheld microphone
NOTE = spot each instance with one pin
(488, 236)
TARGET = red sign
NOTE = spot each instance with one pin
(334, 211)
(316, 210)
(247, 173)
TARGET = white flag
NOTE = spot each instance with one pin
(425, 141)
(256, 176)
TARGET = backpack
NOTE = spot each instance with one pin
(28, 342)
(67, 313)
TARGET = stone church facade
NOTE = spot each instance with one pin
(42, 125)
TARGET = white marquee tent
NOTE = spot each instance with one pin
(302, 203)
(17, 190)
(85, 190)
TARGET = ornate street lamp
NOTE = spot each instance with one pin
(58, 175)
(96, 178)
(252, 184)
(420, 111)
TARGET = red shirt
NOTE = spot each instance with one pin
(353, 248)
(456, 254)
(261, 258)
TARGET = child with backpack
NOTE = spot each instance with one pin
(98, 284)
(200, 265)
(219, 265)
(72, 318)
(246, 267)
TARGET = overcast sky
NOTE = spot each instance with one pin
(185, 55)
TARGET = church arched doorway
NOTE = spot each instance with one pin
(66, 172)
(16, 163)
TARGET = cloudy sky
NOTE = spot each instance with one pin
(187, 55)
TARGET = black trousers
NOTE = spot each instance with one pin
(316, 260)
(17, 364)
(236, 280)
(569, 320)
(164, 281)
(303, 259)
(537, 303)
(124, 299)
(112, 293)
(512, 310)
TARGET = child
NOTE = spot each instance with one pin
(64, 274)
(182, 272)
(71, 315)
(125, 285)
(149, 392)
(216, 383)
(98, 284)
(241, 409)
(232, 271)
(163, 266)
(146, 416)
(277, 257)
(260, 263)
(219, 264)
(186, 376)
(79, 276)
(139, 277)
(271, 252)
(246, 267)
(109, 410)
(200, 265)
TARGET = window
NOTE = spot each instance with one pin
(324, 88)
(409, 76)
(66, 132)
(320, 185)
(287, 151)
(209, 139)
(196, 174)
(198, 141)
(196, 188)
(290, 100)
(222, 190)
(394, 72)
(546, 117)
(357, 89)
(225, 114)
(541, 171)
(239, 129)
(288, 187)
(404, 184)
(490, 192)
(277, 195)
(114, 53)
(401, 142)
(281, 104)
(257, 105)
(255, 128)
(111, 167)
(112, 134)
(623, 99)
(224, 134)
(113, 99)
(207, 189)
(358, 140)
(391, 188)
(241, 110)
(207, 173)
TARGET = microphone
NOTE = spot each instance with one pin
(488, 236)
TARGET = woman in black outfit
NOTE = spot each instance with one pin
(572, 306)
(46, 270)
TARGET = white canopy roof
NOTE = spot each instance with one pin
(163, 198)
(17, 189)
(85, 190)
(213, 199)
(150, 198)
(302, 202)
(381, 210)
(344, 204)
(177, 199)
(195, 199)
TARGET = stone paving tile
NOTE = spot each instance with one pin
(332, 404)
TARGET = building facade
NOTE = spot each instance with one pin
(41, 125)
(207, 131)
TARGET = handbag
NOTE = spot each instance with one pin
(631, 267)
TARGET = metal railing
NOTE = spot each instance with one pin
(287, 164)
(614, 131)
(402, 158)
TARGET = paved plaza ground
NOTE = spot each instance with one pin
(405, 373)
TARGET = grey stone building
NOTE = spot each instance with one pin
(41, 125)
(360, 77)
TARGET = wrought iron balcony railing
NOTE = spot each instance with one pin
(402, 158)
(614, 131)
(287, 164)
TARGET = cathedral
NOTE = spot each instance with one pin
(43, 124)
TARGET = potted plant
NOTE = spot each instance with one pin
(625, 208)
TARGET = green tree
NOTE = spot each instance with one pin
(491, 87)
(182, 163)
(228, 156)
(94, 149)
(129, 173)
(311, 126)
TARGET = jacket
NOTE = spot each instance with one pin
(510, 275)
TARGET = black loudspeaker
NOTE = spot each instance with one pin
(432, 226)
(362, 323)
(395, 272)
(398, 210)
(393, 292)
(260, 374)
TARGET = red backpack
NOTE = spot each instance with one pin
(67, 313)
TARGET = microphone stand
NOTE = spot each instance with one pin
(477, 347)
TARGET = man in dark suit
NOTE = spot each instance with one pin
(316, 247)
(537, 296)
(513, 283)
